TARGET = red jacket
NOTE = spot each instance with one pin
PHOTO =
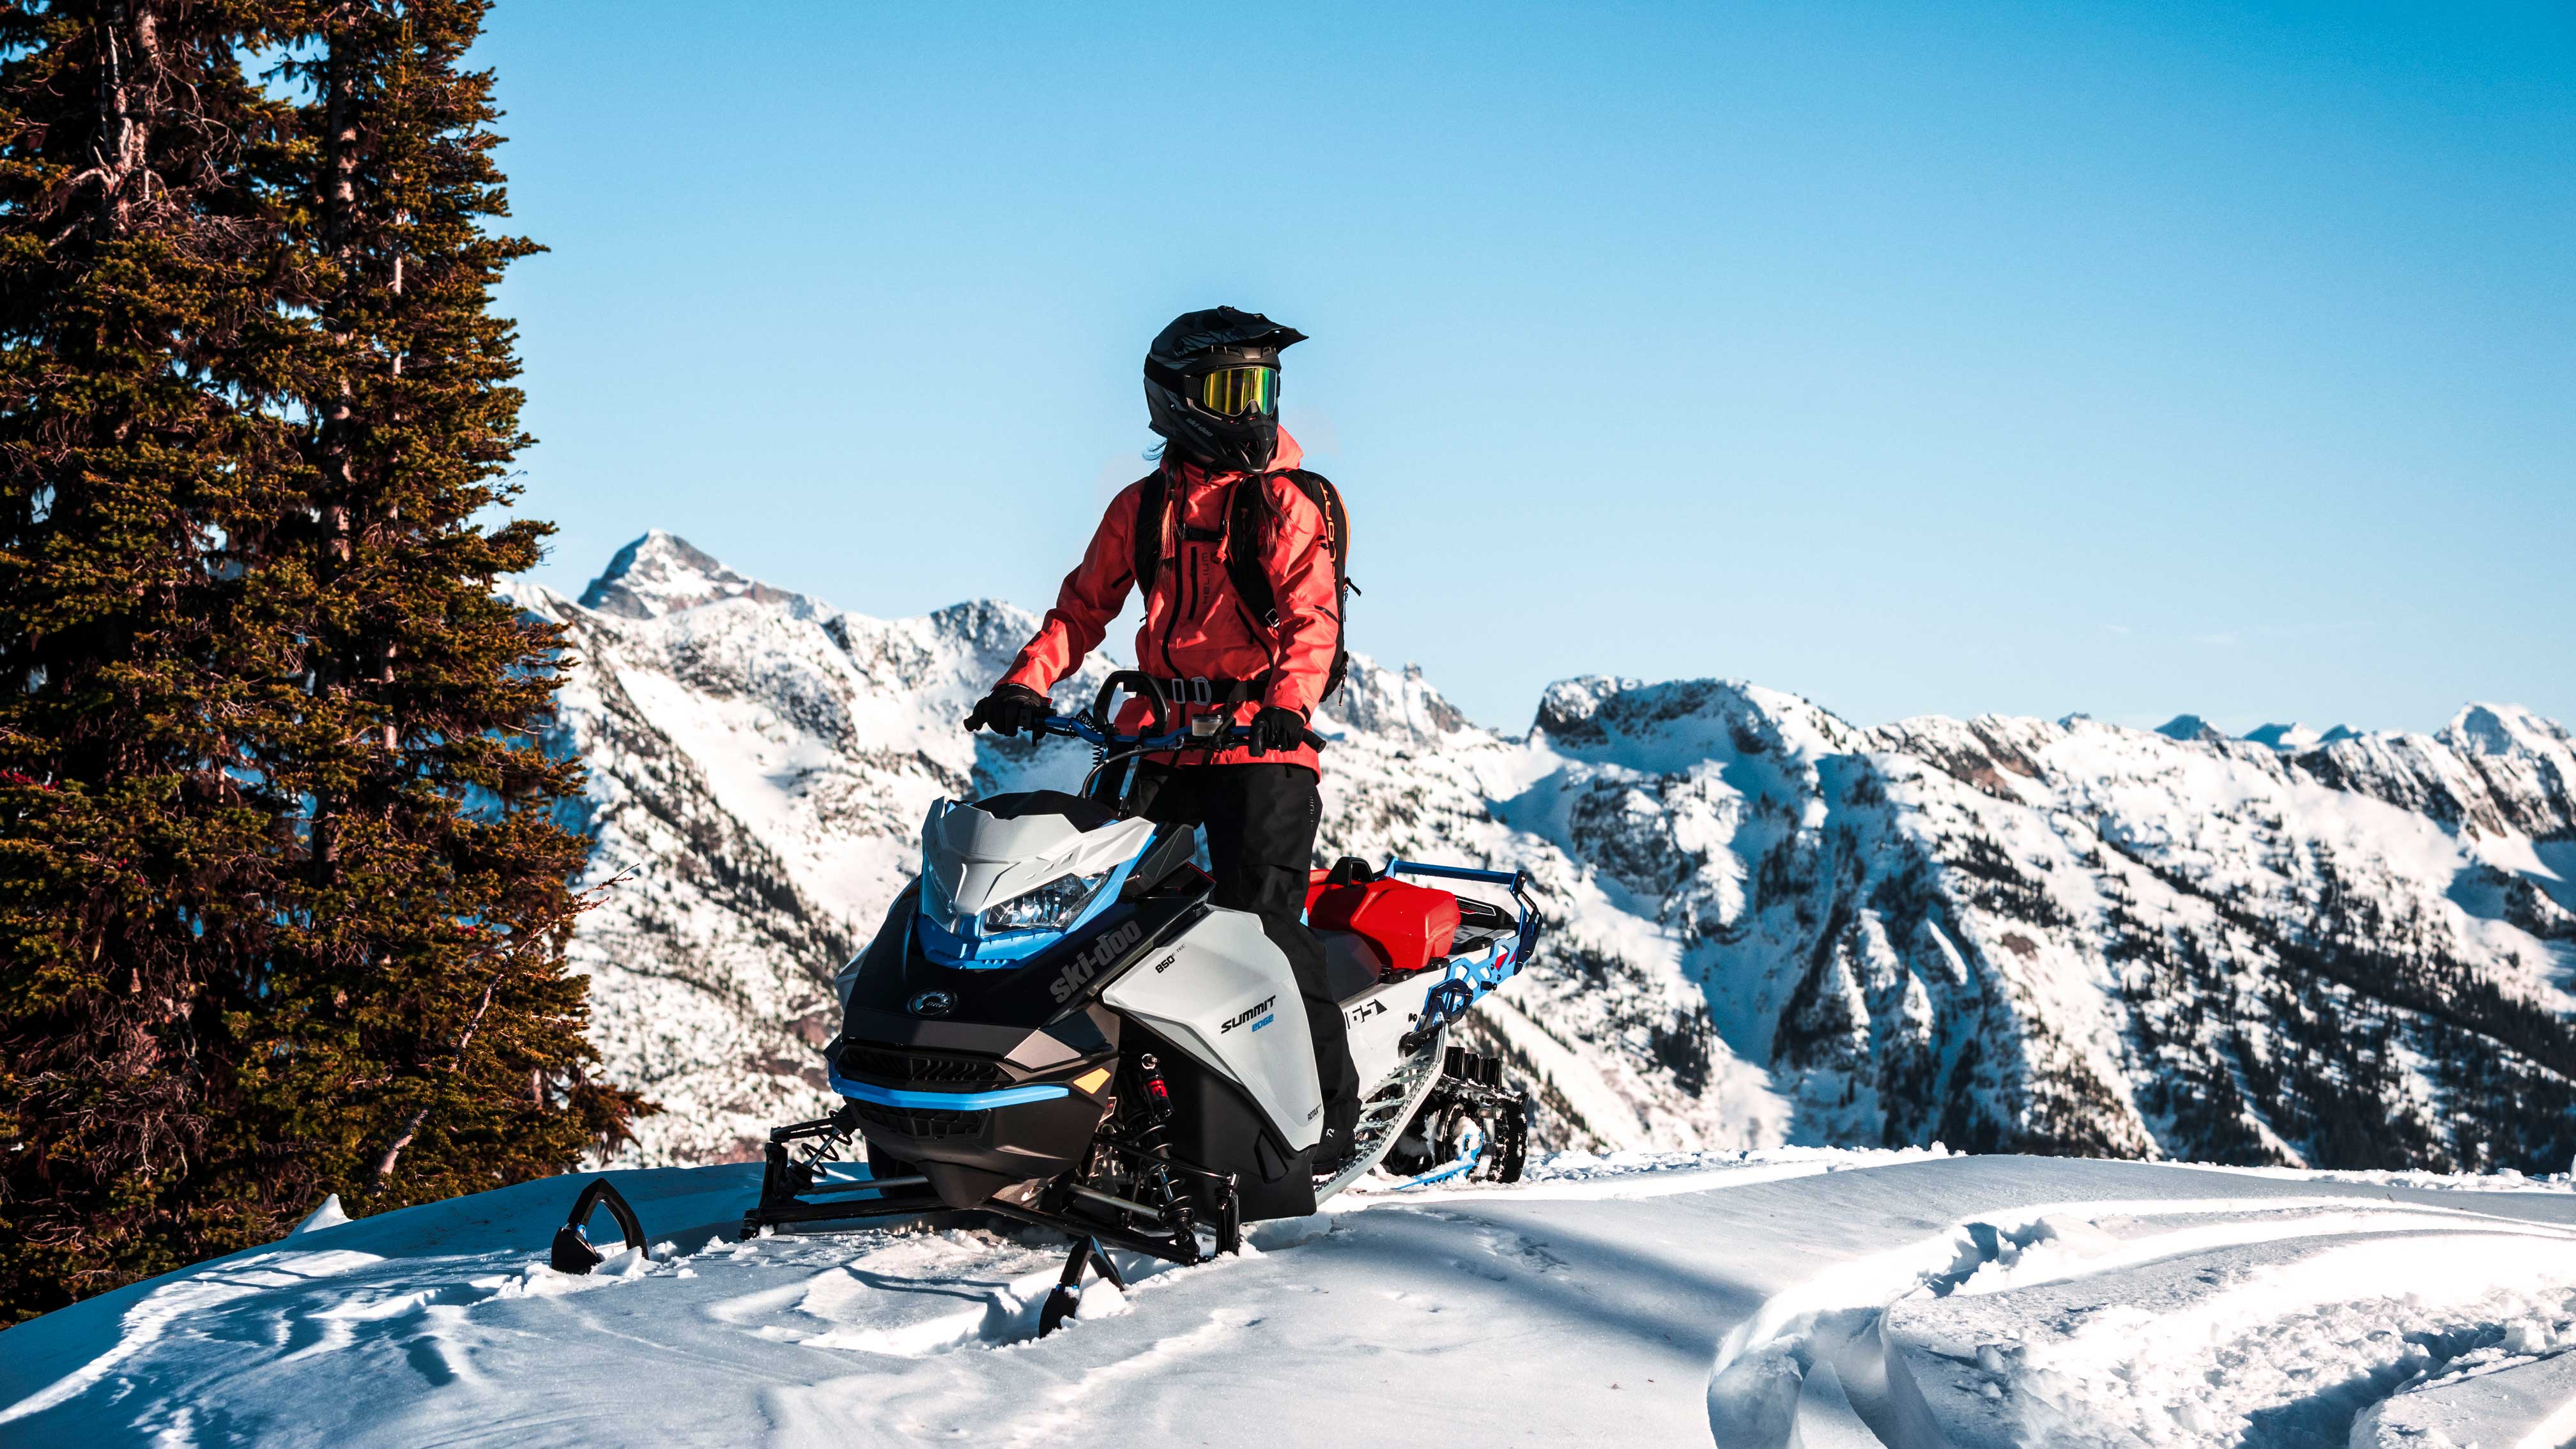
(1195, 624)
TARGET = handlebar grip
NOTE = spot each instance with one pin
(1314, 741)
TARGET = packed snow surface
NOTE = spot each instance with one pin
(1765, 1298)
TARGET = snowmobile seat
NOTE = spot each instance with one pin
(1350, 963)
(1405, 927)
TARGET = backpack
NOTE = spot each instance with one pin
(1251, 585)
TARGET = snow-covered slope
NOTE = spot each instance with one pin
(1768, 925)
(1754, 1301)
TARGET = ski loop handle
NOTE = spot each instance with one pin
(572, 1252)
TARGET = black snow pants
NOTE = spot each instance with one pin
(1261, 823)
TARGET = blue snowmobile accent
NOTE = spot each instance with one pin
(946, 1101)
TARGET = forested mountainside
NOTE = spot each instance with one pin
(1768, 925)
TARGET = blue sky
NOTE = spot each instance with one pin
(2118, 358)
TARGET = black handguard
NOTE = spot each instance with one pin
(1009, 710)
(1277, 729)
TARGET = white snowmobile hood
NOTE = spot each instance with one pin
(972, 862)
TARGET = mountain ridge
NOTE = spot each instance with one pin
(1770, 925)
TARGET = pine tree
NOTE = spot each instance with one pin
(282, 893)
(439, 908)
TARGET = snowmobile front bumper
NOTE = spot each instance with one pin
(794, 1197)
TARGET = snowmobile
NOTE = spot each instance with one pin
(1055, 1025)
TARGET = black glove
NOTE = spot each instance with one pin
(1009, 710)
(1277, 729)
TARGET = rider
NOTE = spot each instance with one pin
(1212, 392)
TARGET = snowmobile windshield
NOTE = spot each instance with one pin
(1236, 392)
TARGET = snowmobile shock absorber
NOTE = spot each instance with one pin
(788, 1170)
(1153, 1141)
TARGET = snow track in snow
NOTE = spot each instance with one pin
(2217, 1322)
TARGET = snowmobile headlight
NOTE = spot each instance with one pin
(1051, 907)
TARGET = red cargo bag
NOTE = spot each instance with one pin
(1406, 925)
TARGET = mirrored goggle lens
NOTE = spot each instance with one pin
(1238, 391)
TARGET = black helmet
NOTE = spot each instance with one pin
(1212, 386)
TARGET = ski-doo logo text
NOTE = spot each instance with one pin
(1247, 1014)
(1079, 972)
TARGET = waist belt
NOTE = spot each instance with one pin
(1201, 689)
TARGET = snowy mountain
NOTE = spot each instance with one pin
(1769, 926)
(1752, 1301)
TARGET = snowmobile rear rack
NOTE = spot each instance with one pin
(1449, 1000)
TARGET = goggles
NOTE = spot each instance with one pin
(1237, 392)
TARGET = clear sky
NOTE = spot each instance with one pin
(2118, 358)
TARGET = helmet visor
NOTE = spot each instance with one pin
(1238, 392)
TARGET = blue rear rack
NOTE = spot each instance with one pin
(1467, 980)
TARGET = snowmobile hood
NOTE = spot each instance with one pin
(978, 855)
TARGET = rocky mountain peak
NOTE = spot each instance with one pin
(2506, 729)
(663, 573)
(2190, 728)
(2291, 738)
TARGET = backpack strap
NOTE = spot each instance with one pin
(1153, 500)
(1245, 514)
(1244, 519)
(1337, 519)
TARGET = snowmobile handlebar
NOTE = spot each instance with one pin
(1075, 726)
(1161, 735)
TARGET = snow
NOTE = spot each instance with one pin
(329, 1215)
(1890, 1297)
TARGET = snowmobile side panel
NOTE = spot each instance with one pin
(1215, 1126)
(1376, 1021)
(1224, 995)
